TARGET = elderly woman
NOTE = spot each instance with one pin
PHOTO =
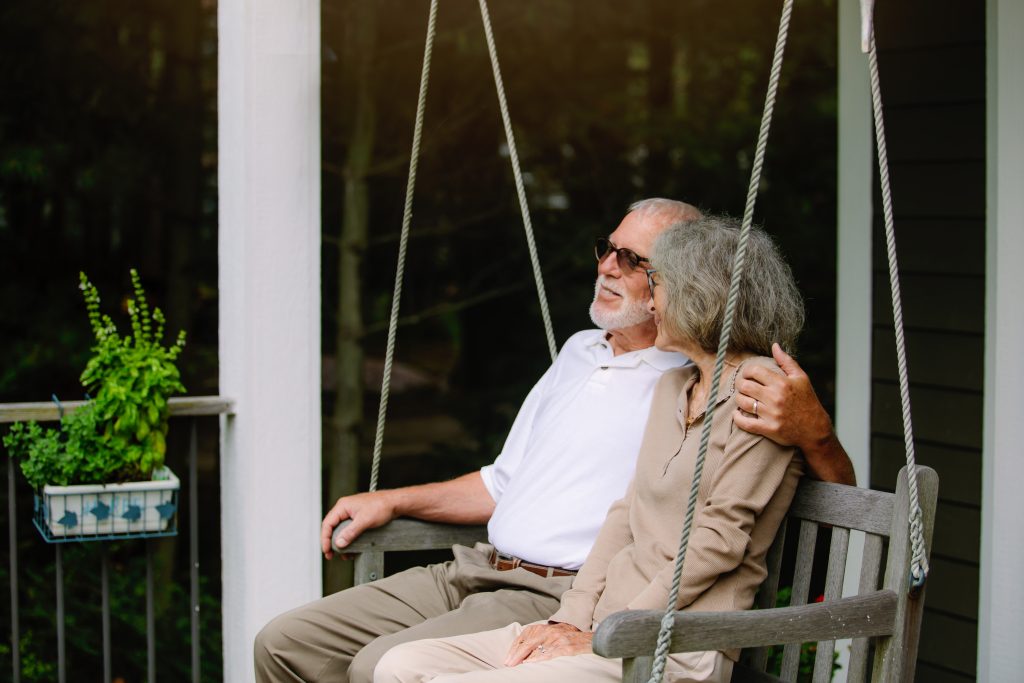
(747, 485)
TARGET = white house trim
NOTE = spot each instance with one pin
(269, 280)
(853, 287)
(1001, 600)
(853, 319)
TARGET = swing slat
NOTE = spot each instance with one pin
(869, 572)
(801, 586)
(636, 631)
(833, 591)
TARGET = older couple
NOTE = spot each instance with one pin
(746, 489)
(570, 454)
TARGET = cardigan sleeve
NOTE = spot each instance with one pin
(751, 471)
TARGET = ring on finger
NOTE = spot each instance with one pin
(754, 411)
(541, 649)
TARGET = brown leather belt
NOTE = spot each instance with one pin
(504, 563)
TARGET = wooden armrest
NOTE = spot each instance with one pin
(411, 534)
(635, 633)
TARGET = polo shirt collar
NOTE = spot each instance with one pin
(659, 360)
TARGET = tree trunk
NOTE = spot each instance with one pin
(343, 462)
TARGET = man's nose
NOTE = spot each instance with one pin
(609, 265)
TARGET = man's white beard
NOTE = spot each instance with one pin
(630, 313)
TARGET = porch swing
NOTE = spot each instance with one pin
(885, 615)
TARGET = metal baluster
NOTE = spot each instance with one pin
(105, 586)
(62, 673)
(193, 541)
(12, 535)
(150, 615)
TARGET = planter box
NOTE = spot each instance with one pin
(109, 511)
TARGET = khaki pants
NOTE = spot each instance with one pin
(342, 636)
(479, 657)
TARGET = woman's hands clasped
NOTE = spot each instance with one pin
(541, 642)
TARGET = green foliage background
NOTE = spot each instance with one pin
(108, 159)
(610, 104)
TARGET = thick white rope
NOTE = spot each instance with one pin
(919, 559)
(520, 190)
(665, 633)
(410, 188)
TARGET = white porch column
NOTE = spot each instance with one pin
(269, 260)
(1001, 604)
(853, 287)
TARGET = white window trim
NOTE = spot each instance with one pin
(1001, 600)
(854, 274)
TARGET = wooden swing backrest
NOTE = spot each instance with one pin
(883, 615)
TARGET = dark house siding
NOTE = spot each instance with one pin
(932, 63)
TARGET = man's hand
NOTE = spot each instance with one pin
(366, 510)
(540, 642)
(788, 412)
(463, 500)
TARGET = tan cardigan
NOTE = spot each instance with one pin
(747, 486)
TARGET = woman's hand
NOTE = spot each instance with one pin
(540, 642)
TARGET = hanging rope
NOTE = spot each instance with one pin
(414, 157)
(919, 559)
(520, 190)
(667, 621)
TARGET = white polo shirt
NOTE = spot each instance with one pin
(572, 450)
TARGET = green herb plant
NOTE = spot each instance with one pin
(119, 435)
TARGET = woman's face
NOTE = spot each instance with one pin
(657, 305)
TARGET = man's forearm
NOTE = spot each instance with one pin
(827, 460)
(463, 500)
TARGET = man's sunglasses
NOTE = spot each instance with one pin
(628, 259)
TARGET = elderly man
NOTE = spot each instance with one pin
(570, 454)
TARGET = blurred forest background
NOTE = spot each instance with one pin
(610, 104)
(108, 160)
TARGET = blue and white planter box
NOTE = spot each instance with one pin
(98, 512)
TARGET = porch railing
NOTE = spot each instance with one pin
(187, 407)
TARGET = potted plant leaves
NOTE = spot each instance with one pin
(101, 473)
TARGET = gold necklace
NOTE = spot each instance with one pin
(691, 418)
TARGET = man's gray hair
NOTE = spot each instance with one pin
(669, 210)
(694, 263)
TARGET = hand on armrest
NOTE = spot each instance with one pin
(464, 500)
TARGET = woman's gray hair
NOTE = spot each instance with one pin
(694, 262)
